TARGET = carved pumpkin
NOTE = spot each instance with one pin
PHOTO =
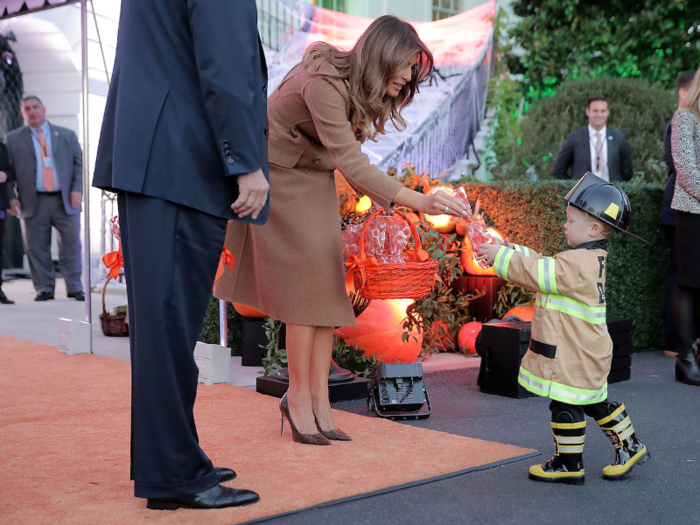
(378, 332)
(364, 204)
(248, 311)
(524, 312)
(467, 337)
(471, 266)
(442, 223)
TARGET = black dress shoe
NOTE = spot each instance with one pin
(225, 474)
(78, 296)
(44, 296)
(217, 497)
(4, 299)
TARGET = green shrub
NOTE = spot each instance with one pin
(640, 111)
(533, 214)
(210, 328)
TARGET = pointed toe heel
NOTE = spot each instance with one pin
(298, 437)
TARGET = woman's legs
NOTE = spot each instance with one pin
(318, 376)
(685, 308)
(300, 346)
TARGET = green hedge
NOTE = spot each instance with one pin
(210, 328)
(533, 214)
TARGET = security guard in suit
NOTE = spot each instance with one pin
(184, 145)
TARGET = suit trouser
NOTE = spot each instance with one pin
(171, 253)
(36, 234)
(2, 239)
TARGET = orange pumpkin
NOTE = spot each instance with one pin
(467, 337)
(248, 311)
(342, 187)
(469, 259)
(524, 312)
(461, 227)
(441, 332)
(378, 332)
(441, 223)
(364, 204)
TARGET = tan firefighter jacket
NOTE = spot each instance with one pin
(570, 350)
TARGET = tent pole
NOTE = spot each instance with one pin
(86, 169)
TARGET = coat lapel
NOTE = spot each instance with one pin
(55, 138)
(27, 138)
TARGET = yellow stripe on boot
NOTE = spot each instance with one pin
(567, 464)
(629, 451)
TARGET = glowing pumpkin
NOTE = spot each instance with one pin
(364, 204)
(524, 312)
(248, 311)
(467, 337)
(378, 332)
(471, 266)
(441, 223)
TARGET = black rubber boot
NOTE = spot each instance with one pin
(567, 464)
(629, 451)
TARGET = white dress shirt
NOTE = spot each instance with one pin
(604, 153)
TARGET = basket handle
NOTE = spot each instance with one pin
(414, 231)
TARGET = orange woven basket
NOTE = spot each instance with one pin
(408, 280)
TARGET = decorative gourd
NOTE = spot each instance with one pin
(467, 337)
(441, 223)
(461, 227)
(248, 311)
(378, 332)
(524, 312)
(471, 266)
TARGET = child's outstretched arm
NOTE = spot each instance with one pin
(558, 275)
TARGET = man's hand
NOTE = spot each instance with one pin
(15, 207)
(76, 198)
(3, 177)
(487, 252)
(252, 194)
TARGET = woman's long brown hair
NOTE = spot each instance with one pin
(386, 47)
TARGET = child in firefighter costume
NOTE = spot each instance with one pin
(570, 351)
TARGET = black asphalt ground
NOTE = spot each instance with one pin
(665, 490)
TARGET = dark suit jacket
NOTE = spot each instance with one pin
(668, 216)
(576, 154)
(186, 109)
(68, 163)
(4, 186)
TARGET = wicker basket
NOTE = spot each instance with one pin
(112, 325)
(408, 280)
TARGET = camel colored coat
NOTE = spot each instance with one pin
(291, 268)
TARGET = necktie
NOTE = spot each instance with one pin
(46, 171)
(599, 160)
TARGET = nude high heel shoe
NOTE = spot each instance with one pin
(298, 437)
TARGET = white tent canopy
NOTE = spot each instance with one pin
(9, 8)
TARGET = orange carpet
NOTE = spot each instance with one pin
(64, 447)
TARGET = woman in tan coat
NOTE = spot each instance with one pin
(292, 267)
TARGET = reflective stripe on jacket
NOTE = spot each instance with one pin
(570, 349)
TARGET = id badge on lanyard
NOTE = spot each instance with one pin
(47, 162)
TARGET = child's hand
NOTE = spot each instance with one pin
(487, 252)
(503, 242)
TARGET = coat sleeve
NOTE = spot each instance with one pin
(77, 153)
(328, 111)
(564, 159)
(684, 153)
(626, 171)
(558, 275)
(12, 179)
(226, 50)
(527, 252)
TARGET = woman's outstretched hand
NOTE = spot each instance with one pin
(441, 203)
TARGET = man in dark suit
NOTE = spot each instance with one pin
(596, 148)
(668, 219)
(47, 191)
(184, 145)
(4, 205)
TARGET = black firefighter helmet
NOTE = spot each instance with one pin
(603, 200)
